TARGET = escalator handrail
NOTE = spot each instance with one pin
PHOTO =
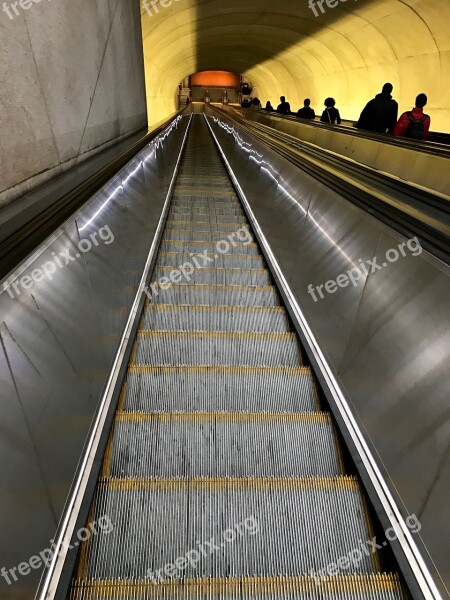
(405, 219)
(428, 147)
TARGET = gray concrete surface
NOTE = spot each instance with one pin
(71, 81)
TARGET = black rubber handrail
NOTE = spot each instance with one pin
(438, 144)
(409, 210)
(18, 246)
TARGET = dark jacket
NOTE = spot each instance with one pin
(306, 113)
(379, 115)
(331, 116)
(284, 108)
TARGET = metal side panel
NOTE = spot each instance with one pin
(62, 316)
(422, 168)
(385, 339)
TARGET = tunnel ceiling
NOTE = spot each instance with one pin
(347, 52)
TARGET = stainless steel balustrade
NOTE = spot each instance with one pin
(58, 338)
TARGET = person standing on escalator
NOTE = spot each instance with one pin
(284, 108)
(380, 114)
(331, 114)
(414, 124)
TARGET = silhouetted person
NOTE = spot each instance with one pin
(245, 103)
(284, 108)
(331, 114)
(256, 104)
(306, 112)
(380, 113)
(269, 107)
(414, 124)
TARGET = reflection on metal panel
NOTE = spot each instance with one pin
(62, 314)
(387, 337)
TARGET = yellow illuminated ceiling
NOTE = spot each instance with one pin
(347, 52)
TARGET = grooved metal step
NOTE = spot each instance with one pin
(215, 318)
(345, 587)
(293, 526)
(242, 389)
(207, 236)
(209, 207)
(224, 261)
(196, 248)
(219, 211)
(211, 202)
(220, 202)
(215, 295)
(213, 276)
(216, 348)
(222, 445)
(204, 216)
(208, 225)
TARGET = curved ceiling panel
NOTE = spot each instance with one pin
(347, 52)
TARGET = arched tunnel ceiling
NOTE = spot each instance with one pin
(347, 52)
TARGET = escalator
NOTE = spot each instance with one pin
(223, 476)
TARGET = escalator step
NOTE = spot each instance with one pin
(207, 226)
(205, 216)
(215, 318)
(212, 276)
(210, 209)
(221, 202)
(344, 587)
(216, 348)
(223, 445)
(216, 295)
(243, 389)
(155, 521)
(224, 261)
(211, 248)
(205, 236)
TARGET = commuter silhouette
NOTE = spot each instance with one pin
(414, 124)
(330, 114)
(284, 108)
(306, 112)
(256, 104)
(269, 107)
(380, 114)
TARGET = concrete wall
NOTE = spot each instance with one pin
(71, 81)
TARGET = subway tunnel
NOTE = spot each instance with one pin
(347, 52)
(224, 330)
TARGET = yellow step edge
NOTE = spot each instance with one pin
(232, 256)
(218, 334)
(217, 483)
(177, 213)
(206, 243)
(243, 224)
(207, 307)
(243, 370)
(241, 587)
(221, 269)
(303, 418)
(215, 190)
(213, 286)
(216, 231)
